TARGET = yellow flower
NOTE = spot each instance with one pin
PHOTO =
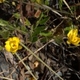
(73, 37)
(12, 45)
(1, 1)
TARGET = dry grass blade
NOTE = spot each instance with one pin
(68, 6)
(49, 8)
(41, 61)
(5, 78)
(43, 46)
(25, 66)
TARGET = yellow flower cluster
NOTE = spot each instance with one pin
(12, 45)
(73, 37)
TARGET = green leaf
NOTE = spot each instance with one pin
(27, 22)
(46, 34)
(6, 25)
(4, 34)
(3, 22)
(17, 15)
(67, 29)
(46, 2)
(36, 33)
(1, 48)
(60, 4)
(44, 20)
(58, 39)
(40, 1)
(23, 28)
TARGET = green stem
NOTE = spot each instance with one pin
(25, 66)
(41, 61)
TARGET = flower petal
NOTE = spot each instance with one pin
(16, 39)
(12, 44)
(73, 37)
(20, 47)
(7, 47)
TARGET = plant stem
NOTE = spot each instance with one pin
(41, 61)
(25, 66)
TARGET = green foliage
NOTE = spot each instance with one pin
(38, 1)
(27, 22)
(5, 28)
(36, 32)
(6, 25)
(44, 20)
(60, 4)
(73, 8)
(46, 2)
(39, 27)
(58, 39)
(1, 48)
(4, 34)
(46, 34)
(16, 15)
(67, 29)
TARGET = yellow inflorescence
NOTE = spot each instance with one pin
(73, 37)
(12, 45)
